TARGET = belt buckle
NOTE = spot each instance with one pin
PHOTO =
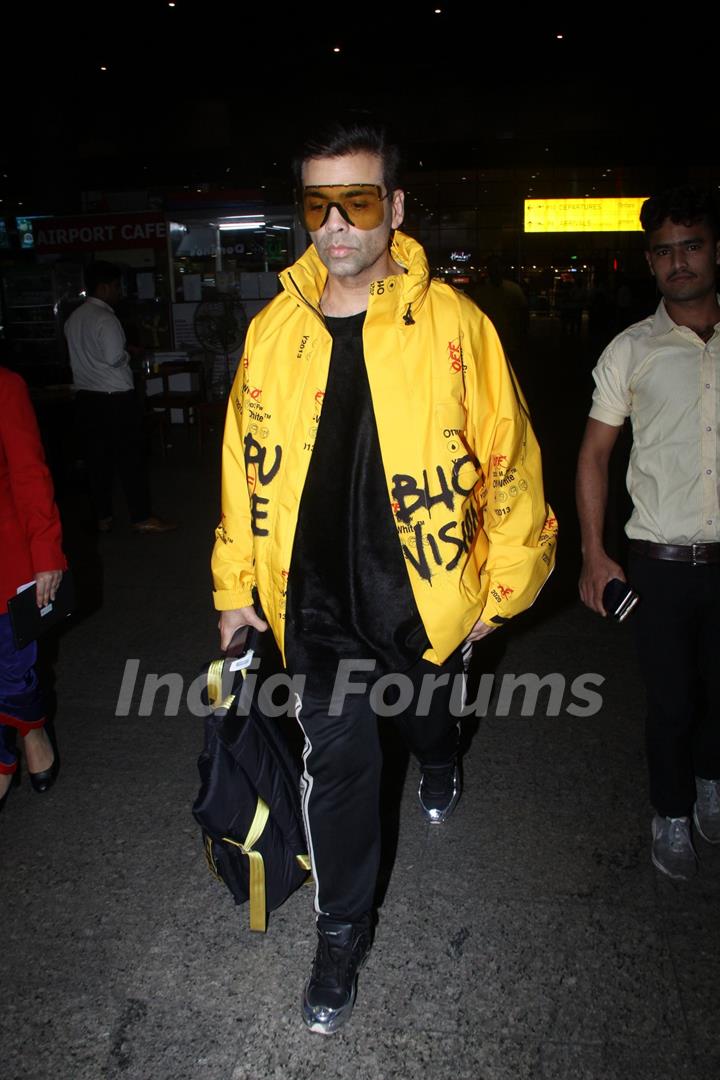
(694, 557)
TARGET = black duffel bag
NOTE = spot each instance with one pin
(248, 806)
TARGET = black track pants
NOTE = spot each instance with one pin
(343, 764)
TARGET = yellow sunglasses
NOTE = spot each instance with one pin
(361, 205)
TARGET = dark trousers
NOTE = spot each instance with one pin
(22, 705)
(341, 782)
(677, 623)
(111, 427)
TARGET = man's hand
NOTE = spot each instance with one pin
(597, 570)
(230, 621)
(480, 630)
(591, 489)
(47, 583)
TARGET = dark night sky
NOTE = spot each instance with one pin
(211, 91)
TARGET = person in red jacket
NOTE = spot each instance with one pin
(31, 545)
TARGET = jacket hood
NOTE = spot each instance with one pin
(306, 278)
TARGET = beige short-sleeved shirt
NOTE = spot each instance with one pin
(667, 380)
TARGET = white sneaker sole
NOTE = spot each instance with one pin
(333, 1023)
(337, 1018)
(698, 826)
(437, 817)
(665, 869)
(668, 873)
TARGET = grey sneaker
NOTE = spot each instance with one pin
(706, 812)
(672, 849)
(439, 791)
(329, 994)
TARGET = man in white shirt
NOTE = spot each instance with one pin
(664, 373)
(108, 411)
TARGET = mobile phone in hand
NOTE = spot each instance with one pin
(238, 644)
(619, 599)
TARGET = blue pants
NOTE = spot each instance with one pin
(21, 701)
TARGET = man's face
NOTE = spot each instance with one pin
(346, 251)
(683, 260)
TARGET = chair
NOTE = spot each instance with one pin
(152, 421)
(211, 413)
(186, 401)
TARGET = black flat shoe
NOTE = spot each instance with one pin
(43, 781)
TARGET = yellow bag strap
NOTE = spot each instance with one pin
(214, 685)
(258, 904)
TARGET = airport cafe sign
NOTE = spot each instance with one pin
(99, 232)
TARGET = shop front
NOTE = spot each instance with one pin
(193, 277)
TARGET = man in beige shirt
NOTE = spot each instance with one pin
(664, 373)
(107, 411)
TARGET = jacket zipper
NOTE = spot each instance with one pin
(407, 317)
(312, 307)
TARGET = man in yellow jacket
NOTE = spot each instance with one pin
(382, 491)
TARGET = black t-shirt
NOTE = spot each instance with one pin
(349, 594)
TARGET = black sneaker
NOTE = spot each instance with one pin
(329, 994)
(439, 791)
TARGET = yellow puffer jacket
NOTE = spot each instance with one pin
(461, 461)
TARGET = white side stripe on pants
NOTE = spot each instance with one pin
(306, 784)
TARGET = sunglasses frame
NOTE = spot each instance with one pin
(319, 188)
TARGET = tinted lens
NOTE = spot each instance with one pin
(361, 205)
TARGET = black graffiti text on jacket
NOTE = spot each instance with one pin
(424, 548)
(260, 472)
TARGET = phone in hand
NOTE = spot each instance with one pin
(243, 645)
(238, 644)
(619, 599)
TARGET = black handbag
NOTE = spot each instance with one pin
(248, 806)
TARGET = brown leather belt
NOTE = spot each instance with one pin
(696, 554)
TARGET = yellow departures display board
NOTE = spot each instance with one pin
(583, 215)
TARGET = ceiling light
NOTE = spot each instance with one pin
(240, 226)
